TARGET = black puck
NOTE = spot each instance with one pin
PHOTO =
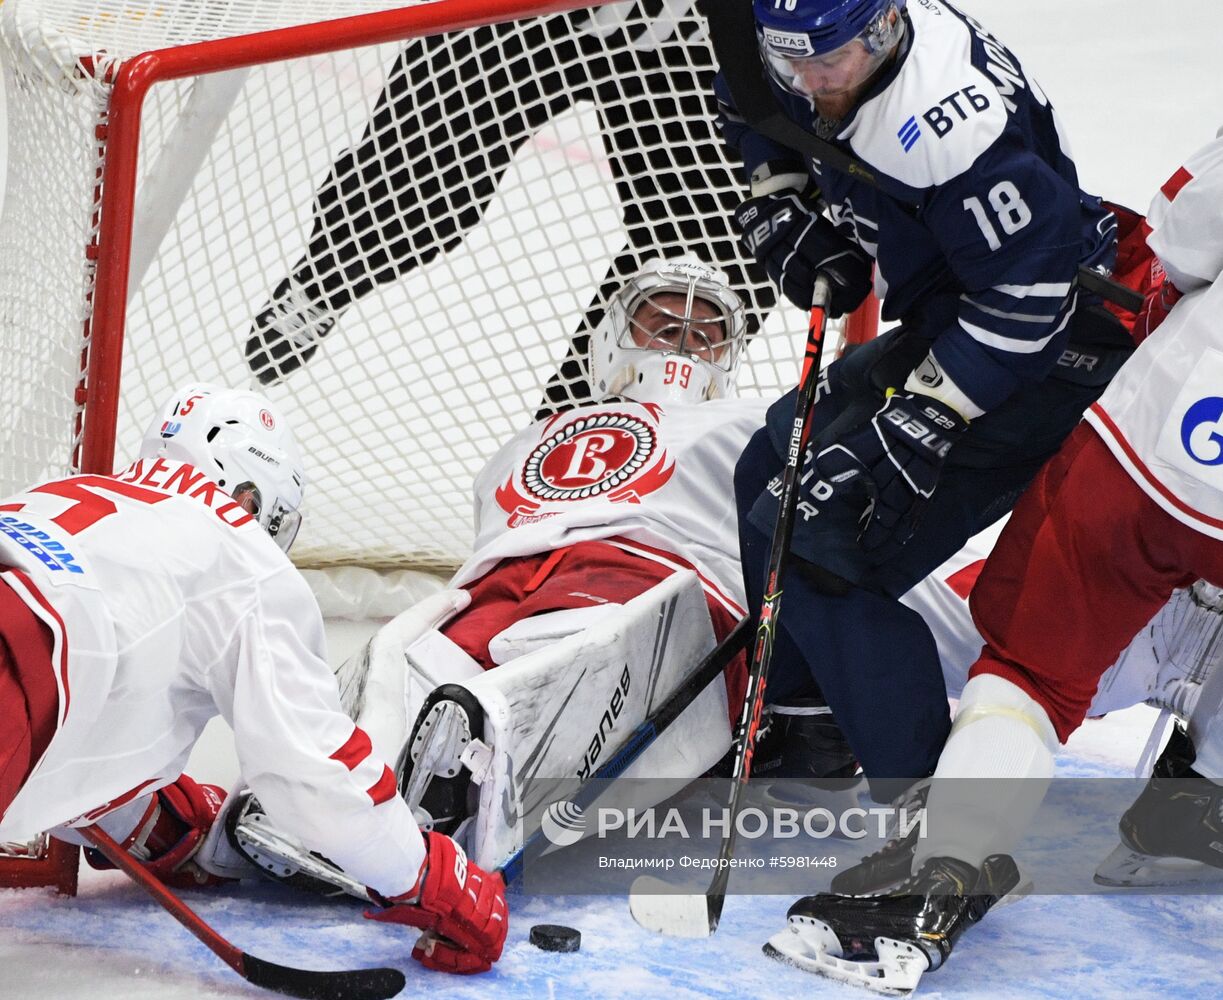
(556, 937)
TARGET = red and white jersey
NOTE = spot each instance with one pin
(169, 605)
(652, 479)
(1162, 416)
(942, 601)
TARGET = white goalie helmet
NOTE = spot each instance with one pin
(239, 440)
(673, 333)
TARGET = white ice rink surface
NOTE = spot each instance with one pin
(1138, 86)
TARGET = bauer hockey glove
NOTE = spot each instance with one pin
(460, 907)
(794, 245)
(893, 462)
(169, 834)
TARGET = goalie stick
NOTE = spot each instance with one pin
(730, 22)
(653, 903)
(356, 984)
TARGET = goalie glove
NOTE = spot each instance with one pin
(795, 245)
(460, 907)
(169, 834)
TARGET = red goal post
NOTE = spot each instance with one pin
(163, 177)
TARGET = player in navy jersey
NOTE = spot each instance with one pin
(975, 229)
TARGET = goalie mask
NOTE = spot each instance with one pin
(239, 440)
(673, 333)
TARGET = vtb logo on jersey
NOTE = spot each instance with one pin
(613, 456)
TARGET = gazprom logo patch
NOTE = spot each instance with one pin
(1202, 431)
(788, 43)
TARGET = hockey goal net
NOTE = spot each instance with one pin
(448, 190)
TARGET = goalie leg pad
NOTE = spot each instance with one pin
(551, 717)
(384, 684)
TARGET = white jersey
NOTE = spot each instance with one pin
(169, 605)
(1162, 416)
(642, 476)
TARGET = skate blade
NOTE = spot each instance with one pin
(812, 946)
(1127, 869)
(657, 907)
(286, 860)
(436, 752)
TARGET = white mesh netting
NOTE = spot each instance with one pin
(449, 210)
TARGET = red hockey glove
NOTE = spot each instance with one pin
(459, 906)
(170, 833)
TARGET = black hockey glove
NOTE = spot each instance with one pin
(794, 244)
(892, 462)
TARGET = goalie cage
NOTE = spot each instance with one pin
(164, 163)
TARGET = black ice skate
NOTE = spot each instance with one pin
(802, 758)
(1173, 833)
(434, 764)
(286, 333)
(893, 862)
(885, 943)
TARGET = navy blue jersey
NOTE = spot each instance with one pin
(978, 225)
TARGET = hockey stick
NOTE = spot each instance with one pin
(357, 984)
(652, 902)
(645, 733)
(732, 31)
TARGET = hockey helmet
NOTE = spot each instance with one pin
(673, 333)
(804, 42)
(239, 440)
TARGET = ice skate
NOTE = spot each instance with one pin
(286, 333)
(434, 766)
(893, 862)
(885, 943)
(802, 758)
(1172, 835)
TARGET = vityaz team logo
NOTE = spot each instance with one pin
(611, 455)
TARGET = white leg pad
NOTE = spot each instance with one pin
(999, 732)
(381, 685)
(553, 716)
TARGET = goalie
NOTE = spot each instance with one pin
(605, 566)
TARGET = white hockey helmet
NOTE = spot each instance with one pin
(240, 441)
(673, 333)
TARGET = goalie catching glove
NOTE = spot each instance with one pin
(460, 907)
(795, 245)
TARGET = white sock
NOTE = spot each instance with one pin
(991, 776)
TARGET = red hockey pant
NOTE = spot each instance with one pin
(28, 696)
(578, 576)
(1085, 561)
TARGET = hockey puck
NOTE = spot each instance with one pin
(556, 937)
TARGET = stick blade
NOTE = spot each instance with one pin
(657, 907)
(355, 984)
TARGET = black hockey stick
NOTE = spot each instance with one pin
(732, 31)
(357, 984)
(652, 902)
(645, 733)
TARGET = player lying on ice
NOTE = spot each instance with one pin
(134, 608)
(1070, 582)
(605, 566)
(583, 529)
